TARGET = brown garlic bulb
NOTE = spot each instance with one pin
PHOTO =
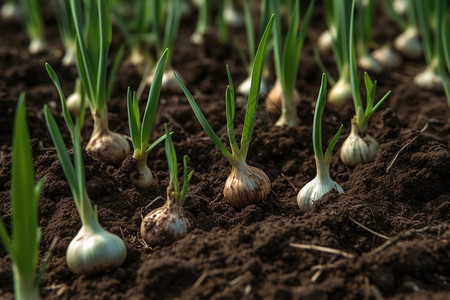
(246, 185)
(273, 99)
(166, 224)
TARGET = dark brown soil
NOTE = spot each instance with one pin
(245, 253)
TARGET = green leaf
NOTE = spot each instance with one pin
(249, 29)
(329, 151)
(204, 123)
(186, 180)
(24, 208)
(65, 110)
(153, 99)
(155, 143)
(230, 110)
(57, 139)
(133, 119)
(171, 162)
(252, 101)
(317, 123)
(113, 72)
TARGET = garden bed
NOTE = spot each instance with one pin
(245, 253)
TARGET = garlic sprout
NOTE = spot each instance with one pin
(170, 222)
(203, 21)
(104, 144)
(360, 147)
(287, 61)
(322, 183)
(245, 185)
(140, 131)
(22, 245)
(66, 31)
(93, 248)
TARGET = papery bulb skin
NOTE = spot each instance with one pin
(11, 10)
(169, 82)
(142, 177)
(70, 57)
(246, 185)
(109, 147)
(232, 17)
(274, 99)
(94, 249)
(400, 6)
(244, 87)
(340, 93)
(369, 63)
(73, 103)
(387, 57)
(358, 147)
(36, 46)
(429, 79)
(325, 41)
(408, 44)
(314, 190)
(165, 225)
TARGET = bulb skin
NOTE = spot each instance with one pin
(358, 147)
(429, 79)
(367, 62)
(142, 177)
(74, 102)
(244, 87)
(408, 44)
(387, 57)
(325, 41)
(314, 190)
(94, 249)
(246, 185)
(166, 224)
(340, 93)
(274, 99)
(108, 146)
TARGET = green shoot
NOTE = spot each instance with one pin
(203, 22)
(140, 131)
(362, 114)
(23, 245)
(444, 69)
(173, 191)
(66, 31)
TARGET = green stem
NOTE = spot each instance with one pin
(288, 111)
(23, 289)
(322, 168)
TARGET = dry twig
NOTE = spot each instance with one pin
(369, 230)
(322, 249)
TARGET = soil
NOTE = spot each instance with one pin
(390, 228)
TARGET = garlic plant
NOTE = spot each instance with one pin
(287, 61)
(322, 183)
(431, 15)
(22, 245)
(166, 224)
(66, 31)
(93, 249)
(92, 48)
(34, 25)
(245, 185)
(140, 131)
(444, 69)
(360, 147)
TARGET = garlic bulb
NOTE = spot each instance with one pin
(325, 41)
(244, 87)
(408, 44)
(166, 224)
(367, 62)
(246, 185)
(429, 79)
(340, 93)
(108, 146)
(142, 177)
(37, 45)
(387, 57)
(94, 249)
(316, 188)
(358, 147)
(274, 99)
(73, 102)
